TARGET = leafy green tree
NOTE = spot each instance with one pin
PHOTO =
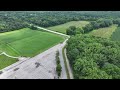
(112, 69)
(71, 30)
(102, 24)
(88, 28)
(59, 69)
(87, 69)
(33, 27)
(108, 22)
(79, 31)
(58, 65)
(96, 25)
(116, 21)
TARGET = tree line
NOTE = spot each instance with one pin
(58, 65)
(101, 23)
(10, 24)
(13, 20)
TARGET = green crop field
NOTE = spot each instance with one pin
(116, 35)
(62, 28)
(26, 42)
(104, 32)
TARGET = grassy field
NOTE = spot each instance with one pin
(104, 32)
(116, 35)
(6, 61)
(26, 42)
(62, 28)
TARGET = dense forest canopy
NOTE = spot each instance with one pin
(94, 58)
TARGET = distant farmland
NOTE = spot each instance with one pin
(26, 43)
(62, 28)
(116, 35)
(104, 32)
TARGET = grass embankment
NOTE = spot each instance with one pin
(65, 62)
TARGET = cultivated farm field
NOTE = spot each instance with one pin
(104, 32)
(62, 28)
(26, 43)
(116, 35)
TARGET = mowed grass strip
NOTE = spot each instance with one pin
(104, 32)
(62, 28)
(27, 42)
(116, 35)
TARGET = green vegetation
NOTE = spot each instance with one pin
(104, 32)
(27, 42)
(8, 23)
(94, 57)
(33, 27)
(58, 65)
(71, 30)
(116, 35)
(6, 61)
(63, 27)
(101, 28)
(101, 23)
